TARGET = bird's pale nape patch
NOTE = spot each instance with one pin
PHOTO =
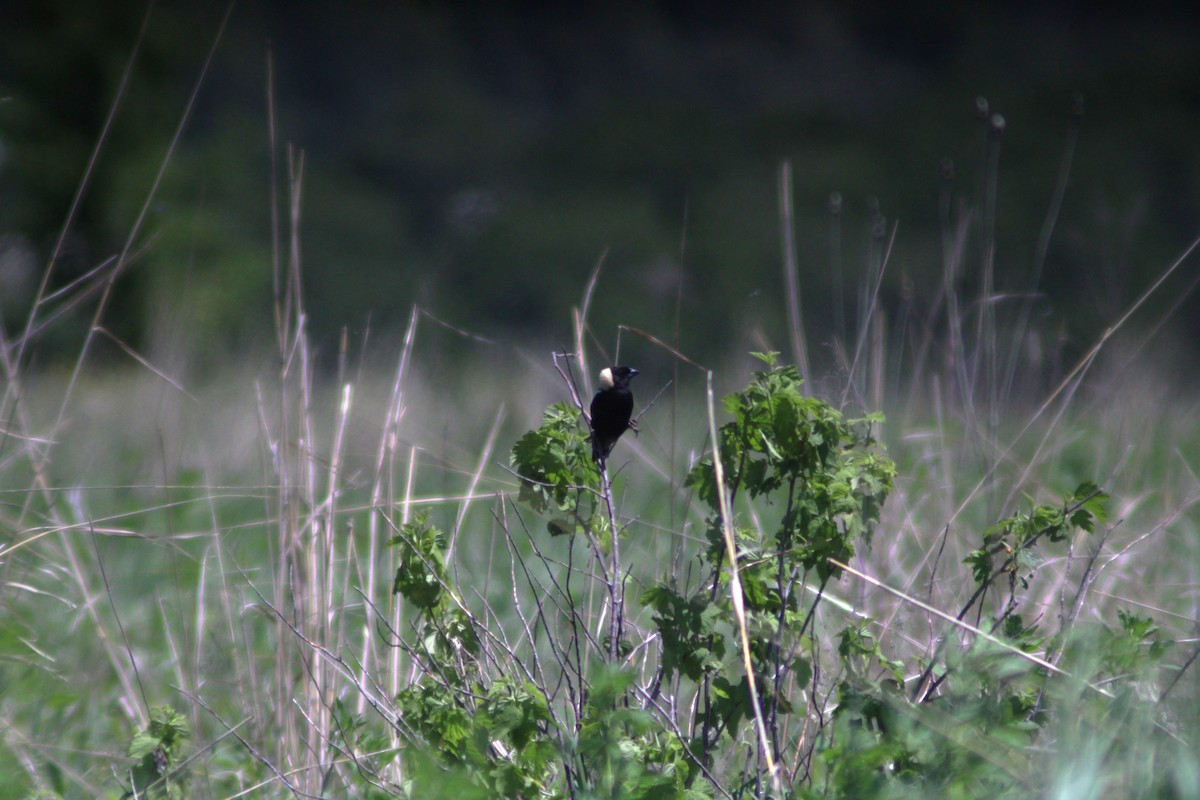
(612, 410)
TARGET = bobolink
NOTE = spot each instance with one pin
(611, 409)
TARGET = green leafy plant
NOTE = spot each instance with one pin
(421, 575)
(1018, 538)
(825, 477)
(826, 473)
(555, 463)
(157, 751)
(804, 487)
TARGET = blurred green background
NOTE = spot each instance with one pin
(479, 158)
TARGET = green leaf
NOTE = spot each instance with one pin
(555, 461)
(1093, 506)
(421, 576)
(981, 565)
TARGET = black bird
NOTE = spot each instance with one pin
(611, 409)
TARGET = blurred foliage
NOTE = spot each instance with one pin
(158, 752)
(479, 159)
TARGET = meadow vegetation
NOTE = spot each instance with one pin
(367, 581)
(941, 556)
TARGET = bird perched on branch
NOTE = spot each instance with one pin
(612, 408)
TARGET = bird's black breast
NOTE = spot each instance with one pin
(611, 410)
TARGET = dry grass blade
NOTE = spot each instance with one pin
(739, 603)
(476, 476)
(139, 358)
(966, 626)
(136, 228)
(1072, 380)
(791, 270)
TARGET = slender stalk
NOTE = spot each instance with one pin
(616, 584)
(791, 269)
(739, 603)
